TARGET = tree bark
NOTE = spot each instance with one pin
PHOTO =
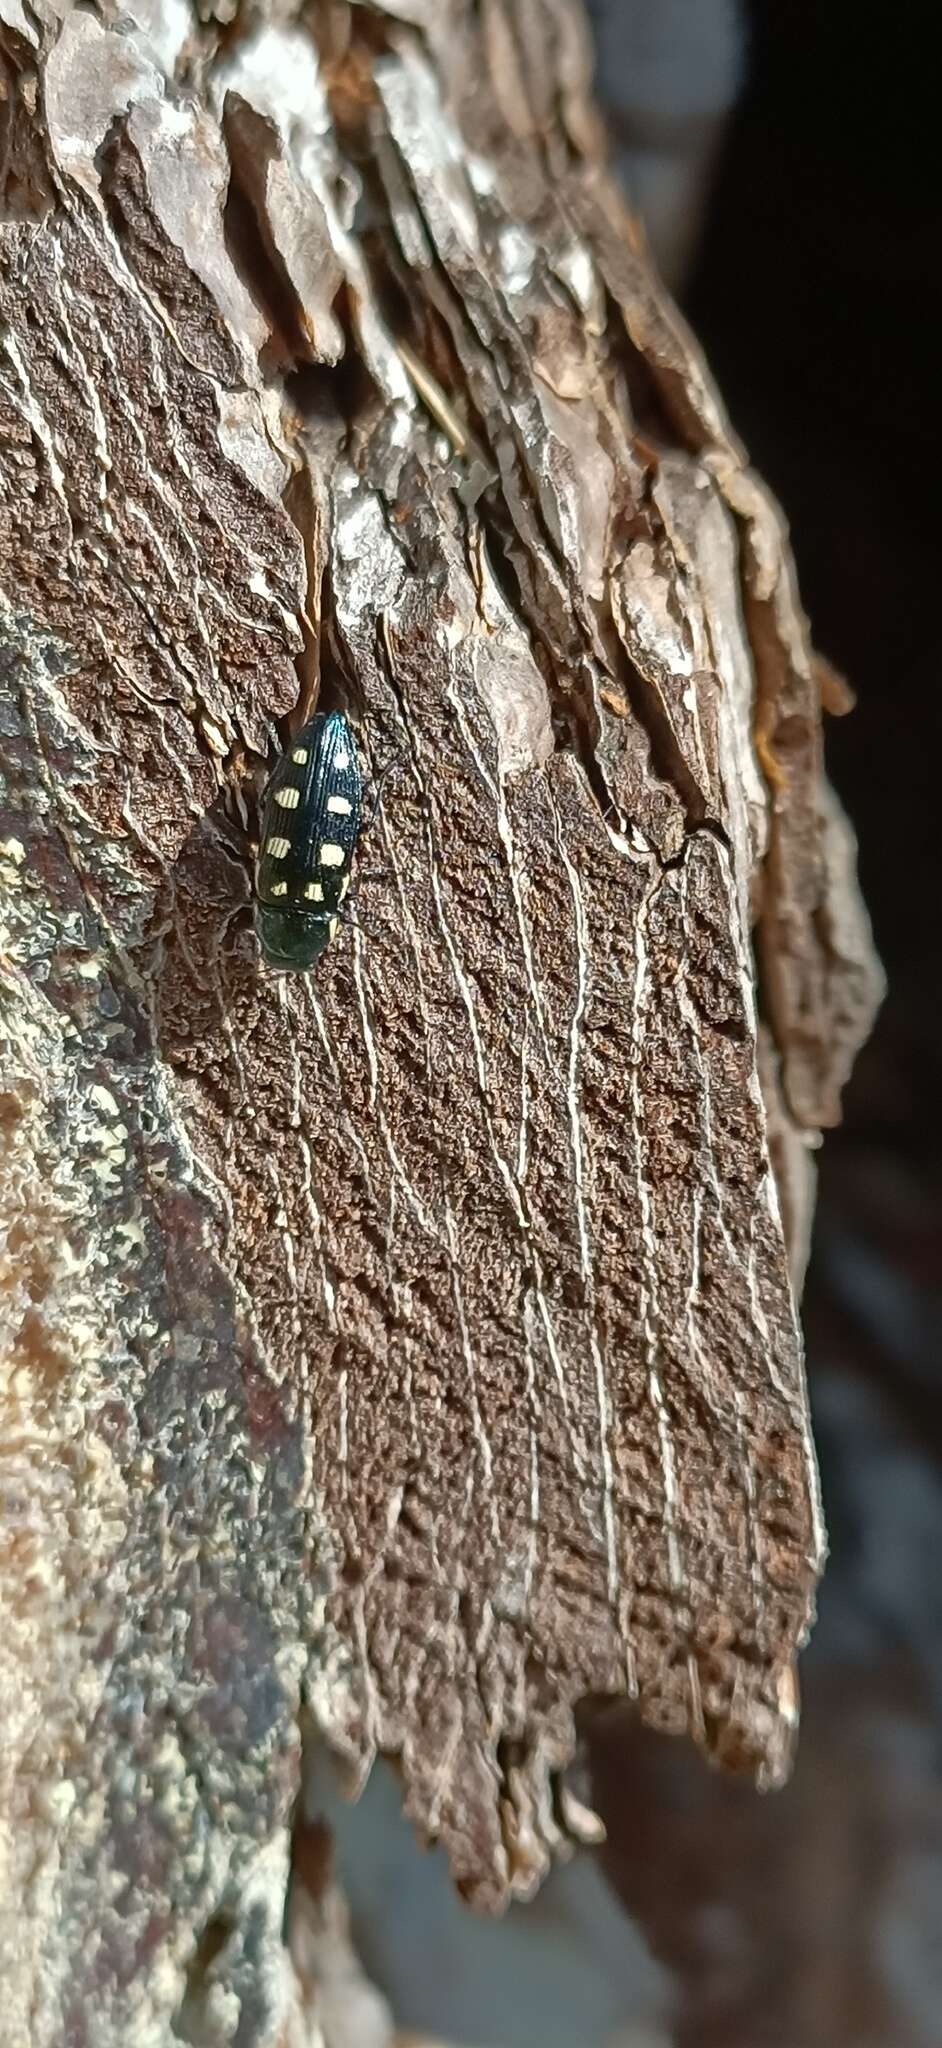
(395, 1357)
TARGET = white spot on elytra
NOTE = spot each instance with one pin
(341, 760)
(299, 754)
(332, 927)
(314, 892)
(279, 888)
(344, 886)
(277, 847)
(289, 798)
(331, 856)
(340, 806)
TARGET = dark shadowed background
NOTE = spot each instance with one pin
(813, 1919)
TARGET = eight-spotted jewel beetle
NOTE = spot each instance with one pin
(310, 821)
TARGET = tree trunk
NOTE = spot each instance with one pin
(400, 1355)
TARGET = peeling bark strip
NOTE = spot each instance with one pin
(413, 1343)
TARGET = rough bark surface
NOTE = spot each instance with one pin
(408, 1352)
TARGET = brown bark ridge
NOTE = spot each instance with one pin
(407, 1352)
